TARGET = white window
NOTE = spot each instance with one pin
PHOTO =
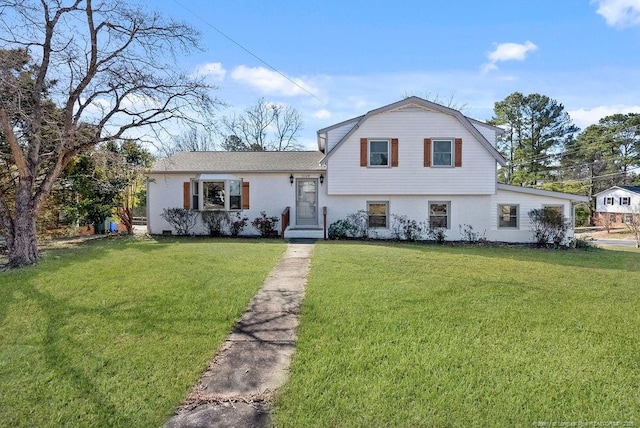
(378, 152)
(222, 195)
(442, 153)
(608, 200)
(625, 200)
(439, 215)
(378, 213)
(508, 216)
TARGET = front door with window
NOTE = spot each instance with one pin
(307, 202)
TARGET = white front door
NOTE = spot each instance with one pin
(307, 202)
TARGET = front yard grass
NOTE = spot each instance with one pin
(116, 332)
(409, 335)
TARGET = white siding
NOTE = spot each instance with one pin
(335, 135)
(616, 194)
(479, 212)
(526, 203)
(487, 132)
(271, 193)
(411, 126)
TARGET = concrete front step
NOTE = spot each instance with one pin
(290, 233)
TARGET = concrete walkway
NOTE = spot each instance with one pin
(253, 362)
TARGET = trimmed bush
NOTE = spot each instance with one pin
(181, 219)
(267, 226)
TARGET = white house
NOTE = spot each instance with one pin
(617, 204)
(413, 158)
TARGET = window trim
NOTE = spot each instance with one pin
(625, 200)
(609, 200)
(517, 216)
(386, 216)
(200, 184)
(451, 142)
(448, 204)
(379, 140)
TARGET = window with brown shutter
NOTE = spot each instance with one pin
(245, 195)
(427, 152)
(186, 195)
(394, 152)
(364, 149)
(458, 153)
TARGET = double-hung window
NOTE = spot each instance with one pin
(442, 153)
(625, 200)
(378, 152)
(222, 195)
(439, 215)
(378, 213)
(507, 216)
(608, 200)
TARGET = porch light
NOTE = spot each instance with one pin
(321, 179)
(291, 179)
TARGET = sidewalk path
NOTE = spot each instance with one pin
(253, 362)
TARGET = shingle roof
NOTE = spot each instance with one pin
(212, 162)
(635, 189)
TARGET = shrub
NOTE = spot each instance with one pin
(438, 234)
(469, 235)
(548, 225)
(181, 219)
(405, 229)
(583, 244)
(266, 225)
(359, 224)
(237, 224)
(582, 216)
(216, 222)
(340, 229)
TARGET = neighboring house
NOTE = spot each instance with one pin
(413, 158)
(617, 204)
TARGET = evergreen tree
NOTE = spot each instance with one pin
(537, 128)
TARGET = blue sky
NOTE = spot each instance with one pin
(354, 56)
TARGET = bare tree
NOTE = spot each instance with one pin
(76, 73)
(263, 126)
(633, 224)
(193, 139)
(449, 101)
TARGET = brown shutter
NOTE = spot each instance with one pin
(427, 152)
(186, 195)
(394, 152)
(458, 150)
(245, 195)
(363, 151)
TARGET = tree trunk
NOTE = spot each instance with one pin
(22, 241)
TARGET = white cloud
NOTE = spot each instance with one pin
(507, 52)
(322, 114)
(619, 13)
(212, 70)
(270, 82)
(585, 117)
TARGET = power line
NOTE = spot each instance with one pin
(246, 50)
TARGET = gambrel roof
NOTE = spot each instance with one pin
(466, 122)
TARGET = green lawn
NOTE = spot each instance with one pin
(408, 335)
(116, 332)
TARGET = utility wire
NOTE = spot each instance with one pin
(246, 50)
